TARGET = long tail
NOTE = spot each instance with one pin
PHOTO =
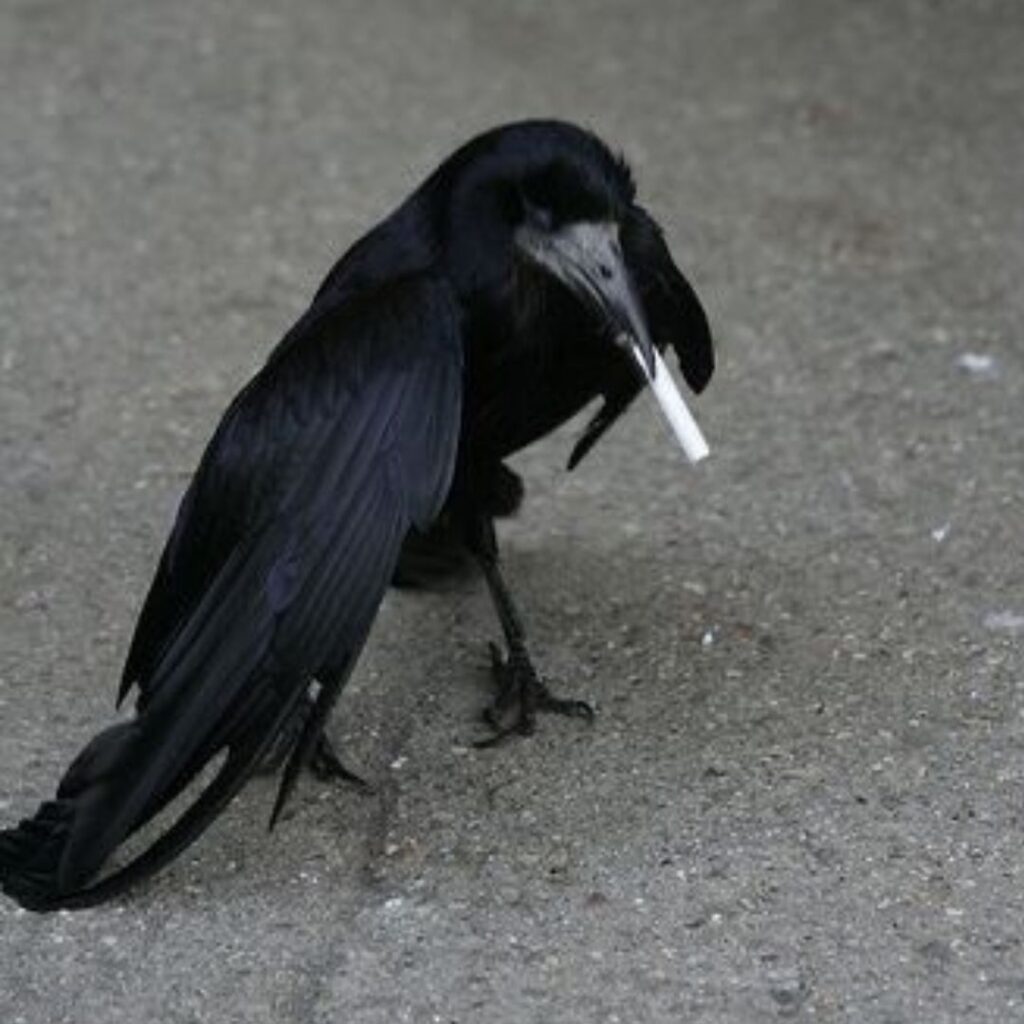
(128, 773)
(47, 860)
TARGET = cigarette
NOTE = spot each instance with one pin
(684, 426)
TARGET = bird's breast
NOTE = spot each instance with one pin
(529, 369)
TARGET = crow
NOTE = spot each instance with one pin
(518, 282)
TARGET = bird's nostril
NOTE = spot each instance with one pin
(605, 271)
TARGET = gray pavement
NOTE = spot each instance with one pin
(802, 798)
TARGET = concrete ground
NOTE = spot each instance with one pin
(802, 797)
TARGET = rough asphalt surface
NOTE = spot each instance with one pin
(802, 798)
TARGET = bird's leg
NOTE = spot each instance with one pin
(518, 682)
(324, 763)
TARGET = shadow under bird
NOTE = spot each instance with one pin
(519, 282)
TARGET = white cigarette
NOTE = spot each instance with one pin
(684, 426)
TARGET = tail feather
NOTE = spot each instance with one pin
(44, 868)
(131, 771)
(30, 854)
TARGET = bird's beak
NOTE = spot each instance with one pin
(587, 257)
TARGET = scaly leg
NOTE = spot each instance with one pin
(519, 686)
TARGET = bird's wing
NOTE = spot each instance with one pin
(282, 551)
(334, 373)
(675, 317)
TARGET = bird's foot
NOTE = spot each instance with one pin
(326, 766)
(324, 762)
(520, 687)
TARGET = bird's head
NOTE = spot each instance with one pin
(553, 195)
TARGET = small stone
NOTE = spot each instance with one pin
(976, 363)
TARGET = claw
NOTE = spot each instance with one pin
(324, 763)
(327, 767)
(518, 683)
(570, 708)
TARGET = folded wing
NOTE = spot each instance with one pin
(283, 547)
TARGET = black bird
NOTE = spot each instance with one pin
(499, 299)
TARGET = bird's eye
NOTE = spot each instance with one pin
(537, 216)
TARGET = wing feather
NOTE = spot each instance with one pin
(280, 555)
